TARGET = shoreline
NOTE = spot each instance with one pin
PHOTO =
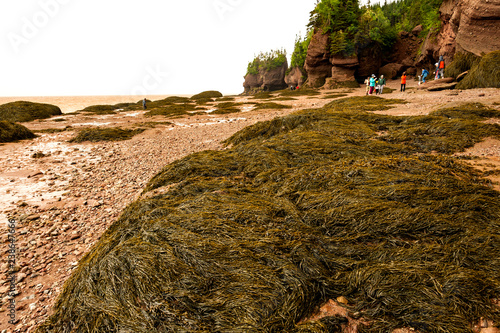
(69, 104)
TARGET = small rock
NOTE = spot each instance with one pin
(342, 300)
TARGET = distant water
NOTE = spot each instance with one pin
(69, 104)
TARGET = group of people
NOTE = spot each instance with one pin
(375, 85)
(439, 72)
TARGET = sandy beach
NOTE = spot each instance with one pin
(63, 202)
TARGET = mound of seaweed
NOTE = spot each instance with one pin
(100, 109)
(207, 94)
(319, 204)
(173, 110)
(10, 132)
(105, 134)
(485, 74)
(27, 111)
(462, 62)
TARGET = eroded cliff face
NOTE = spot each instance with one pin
(266, 80)
(318, 65)
(467, 26)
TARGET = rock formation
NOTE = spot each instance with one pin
(318, 65)
(266, 80)
(467, 26)
(295, 77)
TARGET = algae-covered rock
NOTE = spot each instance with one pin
(322, 203)
(105, 134)
(207, 94)
(10, 132)
(27, 111)
(485, 74)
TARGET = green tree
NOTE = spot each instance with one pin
(267, 61)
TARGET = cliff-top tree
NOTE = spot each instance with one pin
(300, 51)
(266, 61)
(340, 19)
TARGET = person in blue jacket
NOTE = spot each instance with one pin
(425, 72)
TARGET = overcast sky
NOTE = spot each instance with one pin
(148, 47)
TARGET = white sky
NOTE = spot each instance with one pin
(151, 47)
(111, 47)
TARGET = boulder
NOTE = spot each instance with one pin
(295, 77)
(417, 30)
(266, 80)
(317, 64)
(391, 71)
(444, 86)
(437, 83)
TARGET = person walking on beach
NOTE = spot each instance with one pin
(437, 71)
(425, 72)
(381, 84)
(372, 83)
(144, 104)
(367, 82)
(403, 82)
(441, 67)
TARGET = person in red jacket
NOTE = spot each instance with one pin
(441, 67)
(403, 82)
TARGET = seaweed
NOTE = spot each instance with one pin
(462, 62)
(203, 101)
(207, 94)
(299, 210)
(99, 109)
(332, 96)
(263, 95)
(54, 130)
(299, 92)
(27, 111)
(271, 105)
(485, 74)
(11, 132)
(173, 110)
(226, 108)
(105, 134)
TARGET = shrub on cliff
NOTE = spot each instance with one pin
(485, 74)
(266, 61)
(10, 132)
(27, 111)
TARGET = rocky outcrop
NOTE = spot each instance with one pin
(318, 65)
(467, 26)
(295, 77)
(344, 68)
(266, 80)
(391, 71)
